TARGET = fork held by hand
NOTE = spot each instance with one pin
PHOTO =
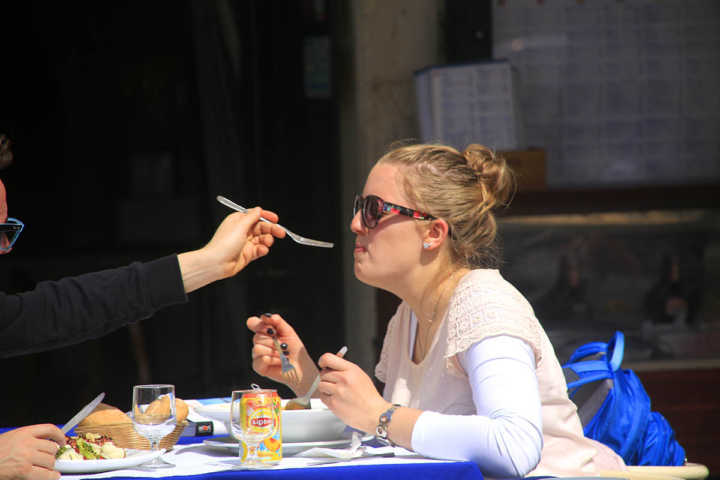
(287, 369)
(297, 238)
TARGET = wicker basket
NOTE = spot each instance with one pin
(125, 436)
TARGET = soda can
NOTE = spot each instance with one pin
(259, 415)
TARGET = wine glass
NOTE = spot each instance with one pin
(253, 419)
(153, 416)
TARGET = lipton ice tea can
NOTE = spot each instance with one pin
(257, 411)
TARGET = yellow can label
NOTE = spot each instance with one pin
(270, 449)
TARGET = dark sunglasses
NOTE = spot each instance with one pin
(374, 207)
(9, 233)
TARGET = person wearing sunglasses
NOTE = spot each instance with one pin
(71, 310)
(9, 232)
(468, 371)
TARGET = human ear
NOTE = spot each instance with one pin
(436, 234)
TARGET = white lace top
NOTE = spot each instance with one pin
(485, 306)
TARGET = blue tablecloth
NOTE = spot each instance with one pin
(420, 471)
(406, 471)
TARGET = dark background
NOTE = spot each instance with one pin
(127, 120)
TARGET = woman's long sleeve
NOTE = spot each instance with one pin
(505, 436)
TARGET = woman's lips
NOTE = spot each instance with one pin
(359, 249)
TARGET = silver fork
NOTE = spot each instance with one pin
(293, 235)
(287, 369)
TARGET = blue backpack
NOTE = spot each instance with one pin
(614, 407)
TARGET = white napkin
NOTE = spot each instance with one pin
(356, 450)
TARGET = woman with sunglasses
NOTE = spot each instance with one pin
(469, 372)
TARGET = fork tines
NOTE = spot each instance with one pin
(286, 368)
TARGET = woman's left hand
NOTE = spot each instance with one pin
(350, 393)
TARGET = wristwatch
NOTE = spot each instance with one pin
(381, 431)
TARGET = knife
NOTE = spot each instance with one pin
(80, 416)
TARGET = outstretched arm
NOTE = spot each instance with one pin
(74, 309)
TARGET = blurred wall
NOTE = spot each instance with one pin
(380, 45)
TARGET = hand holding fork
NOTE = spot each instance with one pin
(287, 369)
(296, 237)
(294, 369)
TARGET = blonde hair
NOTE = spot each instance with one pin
(461, 188)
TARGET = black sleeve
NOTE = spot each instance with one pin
(75, 309)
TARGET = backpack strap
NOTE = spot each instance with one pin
(593, 362)
(585, 371)
(617, 347)
(587, 350)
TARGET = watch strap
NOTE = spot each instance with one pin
(381, 431)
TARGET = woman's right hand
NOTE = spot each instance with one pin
(266, 358)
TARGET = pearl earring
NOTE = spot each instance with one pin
(426, 244)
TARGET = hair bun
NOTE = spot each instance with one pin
(479, 157)
(494, 174)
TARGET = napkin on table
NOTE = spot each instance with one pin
(356, 450)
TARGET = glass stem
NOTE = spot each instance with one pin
(252, 452)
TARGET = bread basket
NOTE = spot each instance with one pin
(124, 435)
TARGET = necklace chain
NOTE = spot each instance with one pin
(441, 294)
(423, 344)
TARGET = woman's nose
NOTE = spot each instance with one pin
(356, 225)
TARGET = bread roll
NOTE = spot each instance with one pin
(105, 414)
(181, 409)
(161, 406)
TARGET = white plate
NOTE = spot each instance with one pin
(231, 445)
(132, 458)
(317, 424)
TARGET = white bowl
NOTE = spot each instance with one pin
(318, 424)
